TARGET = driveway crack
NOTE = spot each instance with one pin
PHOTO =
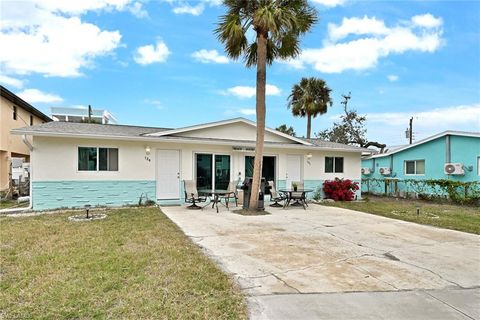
(432, 272)
(449, 305)
(285, 283)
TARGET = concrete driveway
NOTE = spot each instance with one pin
(331, 263)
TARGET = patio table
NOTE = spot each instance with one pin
(217, 194)
(300, 199)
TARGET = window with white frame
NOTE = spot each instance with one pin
(97, 159)
(478, 166)
(413, 167)
(334, 164)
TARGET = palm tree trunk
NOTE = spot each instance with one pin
(260, 110)
(309, 125)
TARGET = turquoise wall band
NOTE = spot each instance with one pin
(76, 194)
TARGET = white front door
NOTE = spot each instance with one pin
(168, 174)
(294, 168)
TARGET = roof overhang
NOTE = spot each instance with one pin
(431, 138)
(232, 143)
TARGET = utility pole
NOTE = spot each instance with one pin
(90, 114)
(346, 97)
(410, 130)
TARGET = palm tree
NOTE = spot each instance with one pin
(287, 130)
(277, 25)
(309, 98)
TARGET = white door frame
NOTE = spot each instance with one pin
(179, 174)
(213, 154)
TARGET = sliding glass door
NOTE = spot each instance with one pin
(212, 171)
(268, 168)
(204, 171)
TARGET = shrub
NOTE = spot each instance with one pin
(340, 189)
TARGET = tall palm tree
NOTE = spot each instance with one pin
(309, 98)
(277, 25)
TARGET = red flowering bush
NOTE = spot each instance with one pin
(340, 189)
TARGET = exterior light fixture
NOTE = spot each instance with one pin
(147, 150)
(309, 156)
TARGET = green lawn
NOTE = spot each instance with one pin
(6, 204)
(456, 217)
(135, 264)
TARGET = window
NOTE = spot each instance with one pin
(212, 171)
(97, 159)
(14, 113)
(31, 120)
(478, 166)
(415, 167)
(334, 164)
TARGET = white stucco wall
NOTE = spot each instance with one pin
(233, 131)
(55, 159)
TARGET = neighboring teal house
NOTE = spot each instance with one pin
(451, 155)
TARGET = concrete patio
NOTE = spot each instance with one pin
(331, 263)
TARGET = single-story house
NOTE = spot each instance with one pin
(453, 155)
(74, 164)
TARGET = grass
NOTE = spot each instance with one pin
(135, 264)
(6, 204)
(449, 216)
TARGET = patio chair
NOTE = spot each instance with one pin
(299, 196)
(233, 193)
(191, 194)
(274, 195)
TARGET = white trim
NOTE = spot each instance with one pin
(98, 147)
(333, 168)
(436, 136)
(414, 167)
(221, 123)
(213, 154)
(180, 173)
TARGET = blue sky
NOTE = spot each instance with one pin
(158, 63)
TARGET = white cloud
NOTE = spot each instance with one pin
(389, 127)
(247, 112)
(37, 96)
(188, 9)
(373, 41)
(12, 82)
(138, 10)
(329, 3)
(209, 56)
(427, 21)
(148, 54)
(249, 92)
(392, 77)
(157, 103)
(50, 38)
(356, 26)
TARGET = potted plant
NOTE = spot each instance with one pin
(295, 186)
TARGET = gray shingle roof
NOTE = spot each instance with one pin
(126, 131)
(91, 129)
(334, 145)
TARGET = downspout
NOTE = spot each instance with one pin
(448, 151)
(30, 205)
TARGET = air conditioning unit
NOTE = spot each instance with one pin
(453, 168)
(384, 171)
(366, 171)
